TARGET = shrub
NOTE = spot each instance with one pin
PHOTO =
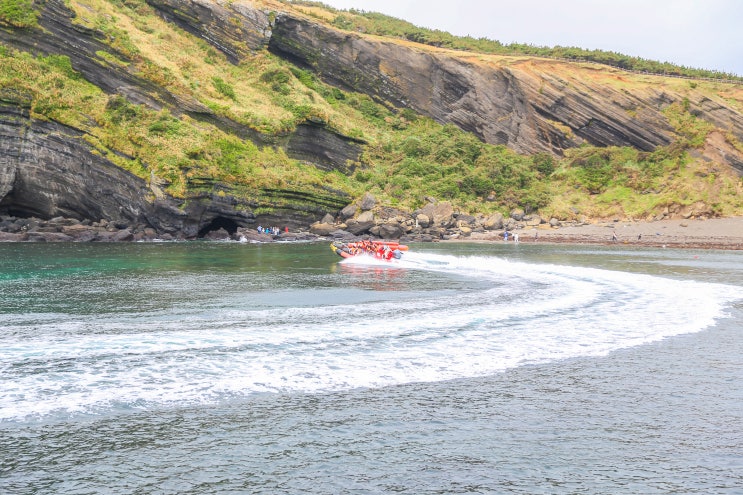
(414, 168)
(477, 185)
(120, 110)
(363, 176)
(369, 108)
(414, 147)
(18, 13)
(595, 174)
(224, 88)
(544, 163)
(279, 80)
(165, 125)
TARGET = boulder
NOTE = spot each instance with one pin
(368, 202)
(436, 232)
(463, 219)
(348, 212)
(48, 237)
(391, 230)
(322, 229)
(443, 214)
(125, 235)
(365, 217)
(493, 222)
(342, 235)
(251, 235)
(533, 220)
(423, 220)
(357, 227)
(517, 214)
(12, 237)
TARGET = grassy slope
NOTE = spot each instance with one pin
(407, 158)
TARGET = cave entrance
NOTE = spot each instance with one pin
(219, 223)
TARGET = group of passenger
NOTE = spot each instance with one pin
(378, 250)
(271, 230)
(514, 236)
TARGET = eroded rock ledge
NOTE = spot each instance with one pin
(49, 170)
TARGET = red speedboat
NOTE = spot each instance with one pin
(383, 250)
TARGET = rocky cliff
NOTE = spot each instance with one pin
(48, 169)
(530, 105)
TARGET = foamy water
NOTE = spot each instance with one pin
(466, 368)
(483, 315)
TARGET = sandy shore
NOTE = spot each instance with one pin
(716, 233)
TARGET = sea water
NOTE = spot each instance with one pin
(219, 367)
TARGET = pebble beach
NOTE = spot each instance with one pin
(715, 233)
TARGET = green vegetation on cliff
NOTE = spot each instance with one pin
(384, 25)
(406, 157)
(18, 13)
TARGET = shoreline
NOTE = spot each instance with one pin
(715, 233)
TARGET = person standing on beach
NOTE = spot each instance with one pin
(614, 236)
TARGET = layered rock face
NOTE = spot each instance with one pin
(530, 106)
(48, 170)
(523, 105)
(236, 31)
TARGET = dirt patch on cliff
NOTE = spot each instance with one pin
(717, 149)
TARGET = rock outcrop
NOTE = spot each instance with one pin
(236, 32)
(534, 105)
(48, 170)
(530, 106)
(235, 29)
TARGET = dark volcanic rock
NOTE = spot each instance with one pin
(523, 105)
(236, 29)
(359, 228)
(348, 212)
(368, 201)
(47, 171)
(12, 237)
(322, 147)
(48, 237)
(390, 230)
(322, 229)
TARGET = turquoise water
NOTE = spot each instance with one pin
(464, 368)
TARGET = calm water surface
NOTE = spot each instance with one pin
(227, 368)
